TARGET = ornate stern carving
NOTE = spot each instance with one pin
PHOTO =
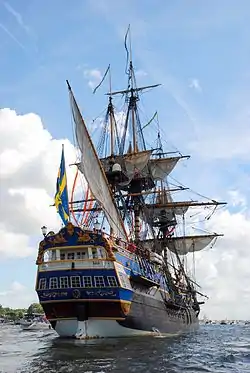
(73, 236)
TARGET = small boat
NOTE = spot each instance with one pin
(223, 322)
(34, 323)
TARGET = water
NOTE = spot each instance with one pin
(214, 348)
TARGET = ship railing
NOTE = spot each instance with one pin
(76, 264)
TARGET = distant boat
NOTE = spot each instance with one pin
(34, 322)
(223, 322)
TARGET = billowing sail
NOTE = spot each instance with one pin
(131, 163)
(136, 162)
(189, 244)
(181, 245)
(161, 167)
(94, 173)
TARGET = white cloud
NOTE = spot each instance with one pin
(237, 199)
(10, 34)
(17, 296)
(140, 73)
(223, 271)
(94, 77)
(195, 84)
(18, 17)
(29, 162)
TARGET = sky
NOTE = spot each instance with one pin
(198, 51)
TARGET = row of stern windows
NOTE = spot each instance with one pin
(88, 253)
(66, 282)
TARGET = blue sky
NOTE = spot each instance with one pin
(199, 51)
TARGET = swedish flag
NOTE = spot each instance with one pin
(61, 196)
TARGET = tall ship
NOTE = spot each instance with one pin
(120, 264)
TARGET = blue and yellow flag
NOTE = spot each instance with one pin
(61, 196)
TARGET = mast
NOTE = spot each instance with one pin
(111, 117)
(132, 99)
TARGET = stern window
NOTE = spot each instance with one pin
(64, 282)
(87, 281)
(62, 256)
(99, 281)
(75, 281)
(53, 283)
(112, 281)
(94, 254)
(81, 255)
(42, 284)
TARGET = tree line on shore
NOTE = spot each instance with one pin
(14, 314)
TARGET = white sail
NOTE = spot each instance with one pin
(131, 163)
(136, 162)
(189, 244)
(161, 168)
(156, 211)
(92, 169)
(181, 245)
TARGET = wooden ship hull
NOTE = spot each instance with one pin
(103, 297)
(147, 316)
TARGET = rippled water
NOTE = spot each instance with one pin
(214, 348)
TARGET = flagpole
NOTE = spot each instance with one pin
(66, 180)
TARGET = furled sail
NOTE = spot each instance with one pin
(170, 212)
(189, 244)
(92, 169)
(164, 197)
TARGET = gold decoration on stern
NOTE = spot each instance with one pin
(125, 306)
(70, 229)
(108, 248)
(84, 237)
(39, 259)
(58, 238)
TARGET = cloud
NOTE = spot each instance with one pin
(17, 16)
(12, 37)
(17, 296)
(94, 76)
(140, 73)
(195, 84)
(223, 271)
(237, 199)
(29, 161)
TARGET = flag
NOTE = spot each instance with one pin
(104, 76)
(61, 196)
